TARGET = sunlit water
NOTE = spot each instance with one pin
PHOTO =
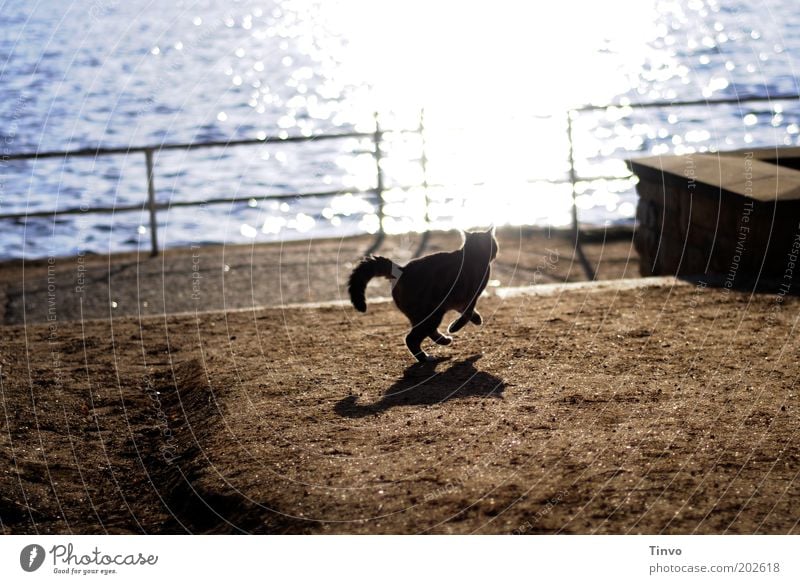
(495, 81)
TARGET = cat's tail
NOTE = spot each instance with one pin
(368, 268)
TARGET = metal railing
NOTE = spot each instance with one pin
(574, 179)
(153, 206)
(574, 112)
(377, 137)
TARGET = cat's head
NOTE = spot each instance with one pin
(481, 242)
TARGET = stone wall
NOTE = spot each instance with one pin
(688, 228)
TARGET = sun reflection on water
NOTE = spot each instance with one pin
(495, 85)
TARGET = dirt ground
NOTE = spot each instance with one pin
(656, 409)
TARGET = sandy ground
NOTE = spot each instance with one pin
(224, 277)
(661, 409)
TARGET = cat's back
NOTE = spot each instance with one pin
(431, 260)
(438, 265)
(426, 282)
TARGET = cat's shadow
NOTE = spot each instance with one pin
(421, 384)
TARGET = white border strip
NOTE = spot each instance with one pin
(593, 286)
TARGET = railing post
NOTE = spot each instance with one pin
(573, 180)
(424, 163)
(377, 137)
(379, 179)
(151, 203)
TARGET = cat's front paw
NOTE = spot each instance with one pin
(476, 318)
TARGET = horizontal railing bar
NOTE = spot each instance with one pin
(552, 181)
(603, 177)
(84, 152)
(275, 197)
(181, 146)
(279, 196)
(687, 103)
(94, 152)
(166, 206)
(76, 211)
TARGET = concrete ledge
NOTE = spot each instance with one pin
(728, 217)
(742, 175)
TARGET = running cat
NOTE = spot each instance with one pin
(426, 288)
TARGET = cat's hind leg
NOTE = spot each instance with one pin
(414, 343)
(441, 339)
(427, 327)
(458, 324)
(469, 315)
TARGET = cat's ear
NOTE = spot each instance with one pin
(491, 230)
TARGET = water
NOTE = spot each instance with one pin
(495, 86)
